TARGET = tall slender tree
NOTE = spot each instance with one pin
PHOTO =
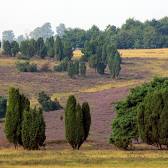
(86, 118)
(58, 49)
(13, 122)
(77, 122)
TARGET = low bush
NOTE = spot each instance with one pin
(33, 129)
(46, 102)
(125, 125)
(25, 66)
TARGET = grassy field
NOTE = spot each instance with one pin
(83, 159)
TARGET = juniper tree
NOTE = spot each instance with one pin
(77, 122)
(70, 121)
(86, 119)
(114, 61)
(16, 105)
(80, 132)
(152, 118)
(59, 49)
(71, 69)
(33, 129)
(3, 106)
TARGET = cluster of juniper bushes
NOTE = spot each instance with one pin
(25, 126)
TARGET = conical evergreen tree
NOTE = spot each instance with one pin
(86, 118)
(17, 104)
(33, 129)
(114, 61)
(12, 120)
(70, 121)
(77, 122)
(80, 132)
(82, 69)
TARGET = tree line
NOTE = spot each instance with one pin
(132, 34)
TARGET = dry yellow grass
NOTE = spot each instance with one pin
(8, 61)
(10, 158)
(113, 84)
(145, 53)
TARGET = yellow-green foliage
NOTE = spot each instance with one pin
(10, 158)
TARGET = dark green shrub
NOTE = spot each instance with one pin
(125, 125)
(71, 70)
(46, 102)
(33, 129)
(3, 105)
(153, 118)
(80, 132)
(17, 104)
(86, 118)
(77, 122)
(114, 62)
(26, 66)
(93, 61)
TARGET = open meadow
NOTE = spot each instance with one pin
(138, 66)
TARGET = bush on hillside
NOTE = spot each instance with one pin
(153, 118)
(77, 122)
(17, 104)
(46, 102)
(26, 66)
(33, 129)
(125, 125)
